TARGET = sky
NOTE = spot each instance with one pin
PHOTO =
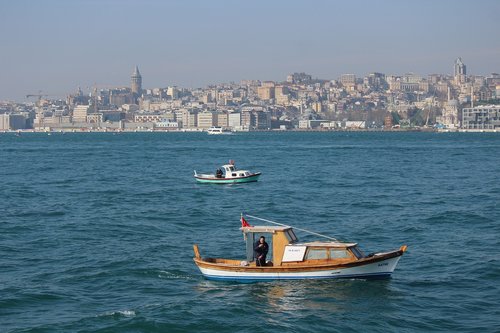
(56, 46)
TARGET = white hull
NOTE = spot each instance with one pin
(377, 269)
(217, 131)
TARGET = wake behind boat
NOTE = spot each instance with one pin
(227, 174)
(290, 259)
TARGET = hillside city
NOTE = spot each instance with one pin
(377, 101)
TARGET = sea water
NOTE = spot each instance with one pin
(96, 230)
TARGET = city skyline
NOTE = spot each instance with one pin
(57, 46)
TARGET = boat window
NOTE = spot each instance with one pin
(357, 252)
(338, 253)
(231, 168)
(316, 254)
(233, 174)
(290, 235)
(242, 174)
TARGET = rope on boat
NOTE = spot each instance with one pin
(285, 225)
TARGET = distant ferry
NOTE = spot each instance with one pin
(217, 131)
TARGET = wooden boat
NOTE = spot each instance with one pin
(227, 174)
(290, 259)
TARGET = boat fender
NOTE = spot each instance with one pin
(244, 263)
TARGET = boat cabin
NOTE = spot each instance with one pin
(231, 171)
(285, 249)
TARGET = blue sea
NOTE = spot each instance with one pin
(96, 230)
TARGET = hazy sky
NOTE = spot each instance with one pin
(57, 45)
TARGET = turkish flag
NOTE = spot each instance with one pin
(244, 222)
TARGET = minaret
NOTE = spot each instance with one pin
(472, 96)
(136, 82)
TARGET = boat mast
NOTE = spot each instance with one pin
(285, 225)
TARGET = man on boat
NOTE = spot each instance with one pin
(261, 248)
(218, 173)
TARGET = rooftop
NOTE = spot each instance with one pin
(264, 228)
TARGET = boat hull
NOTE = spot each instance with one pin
(212, 180)
(375, 268)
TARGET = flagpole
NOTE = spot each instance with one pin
(284, 225)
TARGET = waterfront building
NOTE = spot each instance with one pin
(205, 119)
(481, 118)
(190, 118)
(259, 120)
(12, 122)
(221, 119)
(80, 113)
(449, 117)
(166, 125)
(95, 118)
(388, 121)
(234, 120)
(148, 117)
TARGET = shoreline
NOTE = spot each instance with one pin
(396, 130)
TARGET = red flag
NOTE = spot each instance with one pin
(244, 222)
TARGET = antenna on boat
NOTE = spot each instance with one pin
(285, 225)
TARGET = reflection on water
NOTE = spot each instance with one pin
(331, 295)
(303, 296)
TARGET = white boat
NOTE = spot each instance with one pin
(227, 174)
(217, 131)
(289, 259)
